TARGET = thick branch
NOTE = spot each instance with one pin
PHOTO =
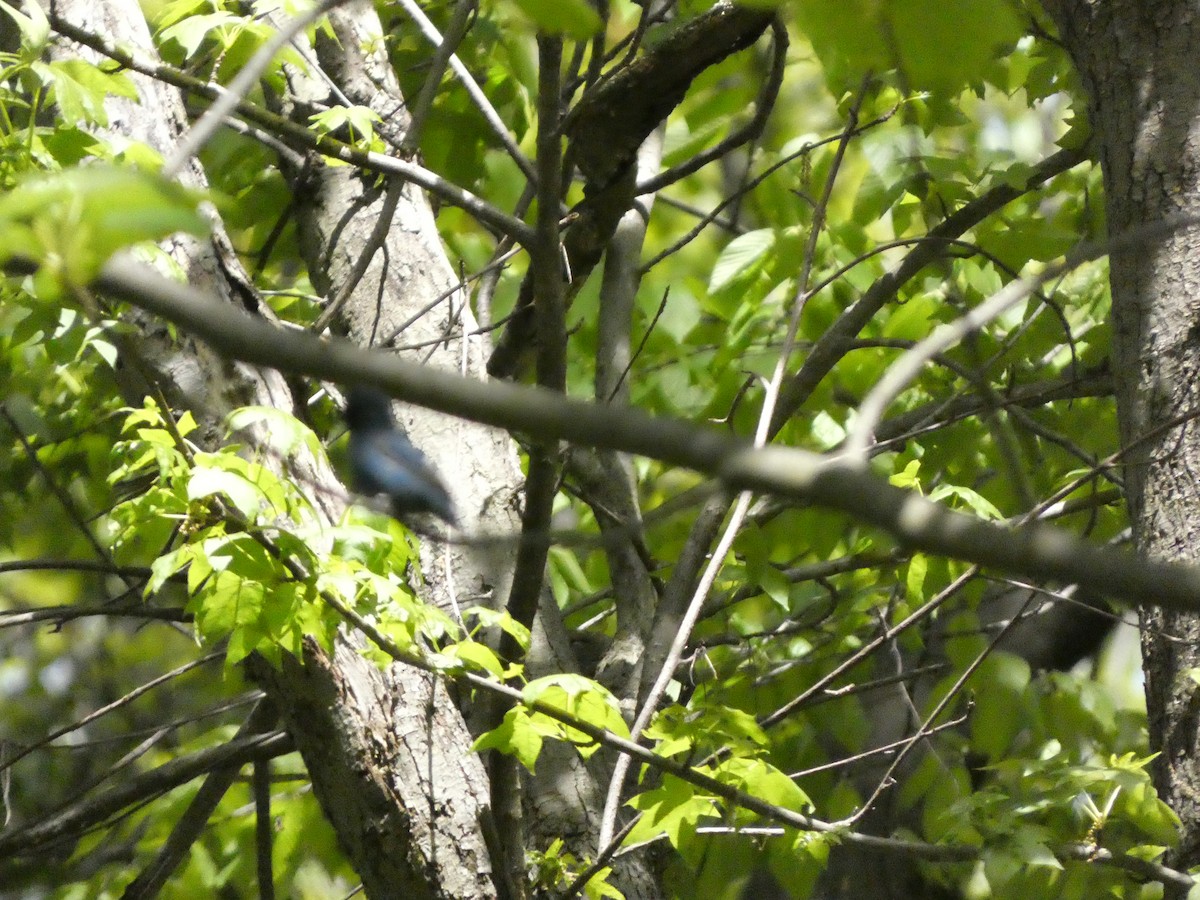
(837, 340)
(90, 812)
(1035, 551)
(605, 130)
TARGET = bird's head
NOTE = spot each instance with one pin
(368, 407)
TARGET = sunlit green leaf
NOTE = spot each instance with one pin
(515, 736)
(30, 20)
(80, 217)
(575, 18)
(669, 809)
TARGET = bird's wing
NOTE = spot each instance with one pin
(401, 449)
(386, 462)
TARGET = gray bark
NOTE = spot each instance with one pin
(1137, 60)
(338, 211)
(389, 758)
(478, 463)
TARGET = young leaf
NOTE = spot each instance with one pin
(78, 218)
(673, 808)
(514, 736)
(574, 18)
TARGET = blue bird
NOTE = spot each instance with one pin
(383, 461)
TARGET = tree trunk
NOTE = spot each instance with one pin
(338, 213)
(1137, 60)
(389, 758)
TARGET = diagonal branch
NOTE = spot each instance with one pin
(170, 775)
(837, 340)
(1035, 551)
(300, 138)
(191, 824)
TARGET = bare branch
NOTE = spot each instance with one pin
(298, 137)
(154, 783)
(191, 143)
(1034, 551)
(474, 91)
(191, 824)
(836, 340)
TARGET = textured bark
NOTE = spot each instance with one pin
(1137, 59)
(613, 119)
(338, 211)
(610, 486)
(190, 373)
(604, 132)
(392, 766)
(479, 464)
(389, 756)
(607, 484)
(446, 808)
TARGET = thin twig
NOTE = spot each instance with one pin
(881, 750)
(374, 242)
(180, 770)
(473, 90)
(749, 186)
(445, 48)
(763, 106)
(200, 134)
(649, 703)
(110, 707)
(908, 367)
(296, 135)
(191, 823)
(662, 306)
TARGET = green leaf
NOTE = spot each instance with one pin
(514, 736)
(34, 27)
(909, 35)
(1001, 866)
(574, 18)
(582, 698)
(673, 808)
(191, 31)
(707, 727)
(276, 428)
(914, 582)
(252, 488)
(227, 603)
(476, 655)
(598, 887)
(909, 478)
(80, 217)
(742, 256)
(1036, 854)
(911, 321)
(244, 496)
(166, 566)
(491, 618)
(80, 89)
(971, 498)
(360, 120)
(760, 778)
(776, 586)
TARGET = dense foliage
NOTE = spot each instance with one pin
(131, 549)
